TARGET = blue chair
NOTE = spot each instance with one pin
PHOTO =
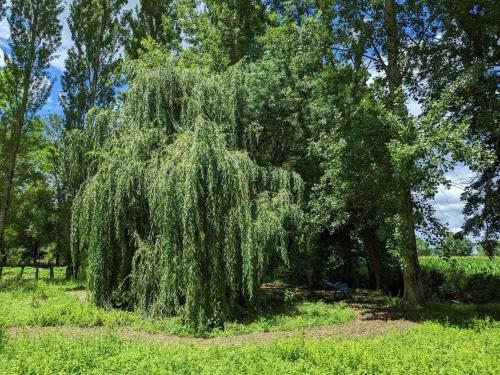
(340, 289)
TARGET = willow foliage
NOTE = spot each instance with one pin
(176, 220)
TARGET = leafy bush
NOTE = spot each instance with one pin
(474, 279)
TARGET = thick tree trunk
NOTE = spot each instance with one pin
(413, 289)
(371, 243)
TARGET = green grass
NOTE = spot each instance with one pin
(472, 279)
(427, 349)
(453, 339)
(29, 273)
(460, 314)
(29, 303)
(466, 265)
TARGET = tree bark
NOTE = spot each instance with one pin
(413, 289)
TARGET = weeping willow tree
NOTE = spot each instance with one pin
(176, 220)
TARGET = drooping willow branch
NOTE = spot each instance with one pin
(176, 220)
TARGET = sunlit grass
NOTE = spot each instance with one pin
(427, 349)
(29, 303)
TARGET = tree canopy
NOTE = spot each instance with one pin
(175, 215)
(204, 147)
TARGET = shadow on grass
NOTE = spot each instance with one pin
(269, 307)
(375, 305)
(458, 314)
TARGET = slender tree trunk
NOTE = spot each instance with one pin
(413, 289)
(69, 269)
(394, 78)
(36, 264)
(19, 116)
(7, 181)
(51, 270)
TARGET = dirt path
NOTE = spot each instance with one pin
(363, 326)
(373, 318)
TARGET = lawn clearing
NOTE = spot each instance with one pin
(29, 303)
(429, 348)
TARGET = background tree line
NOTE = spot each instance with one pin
(323, 92)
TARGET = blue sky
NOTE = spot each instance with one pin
(446, 202)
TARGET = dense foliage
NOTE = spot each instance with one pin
(474, 279)
(207, 146)
(175, 216)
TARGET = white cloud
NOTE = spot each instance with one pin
(447, 202)
(4, 29)
(414, 107)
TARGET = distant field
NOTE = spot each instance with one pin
(29, 273)
(466, 265)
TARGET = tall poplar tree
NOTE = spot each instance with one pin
(89, 78)
(154, 19)
(221, 33)
(35, 36)
(89, 81)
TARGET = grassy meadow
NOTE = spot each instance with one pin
(49, 327)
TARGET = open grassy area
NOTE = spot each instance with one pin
(470, 265)
(444, 338)
(29, 273)
(430, 348)
(29, 303)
